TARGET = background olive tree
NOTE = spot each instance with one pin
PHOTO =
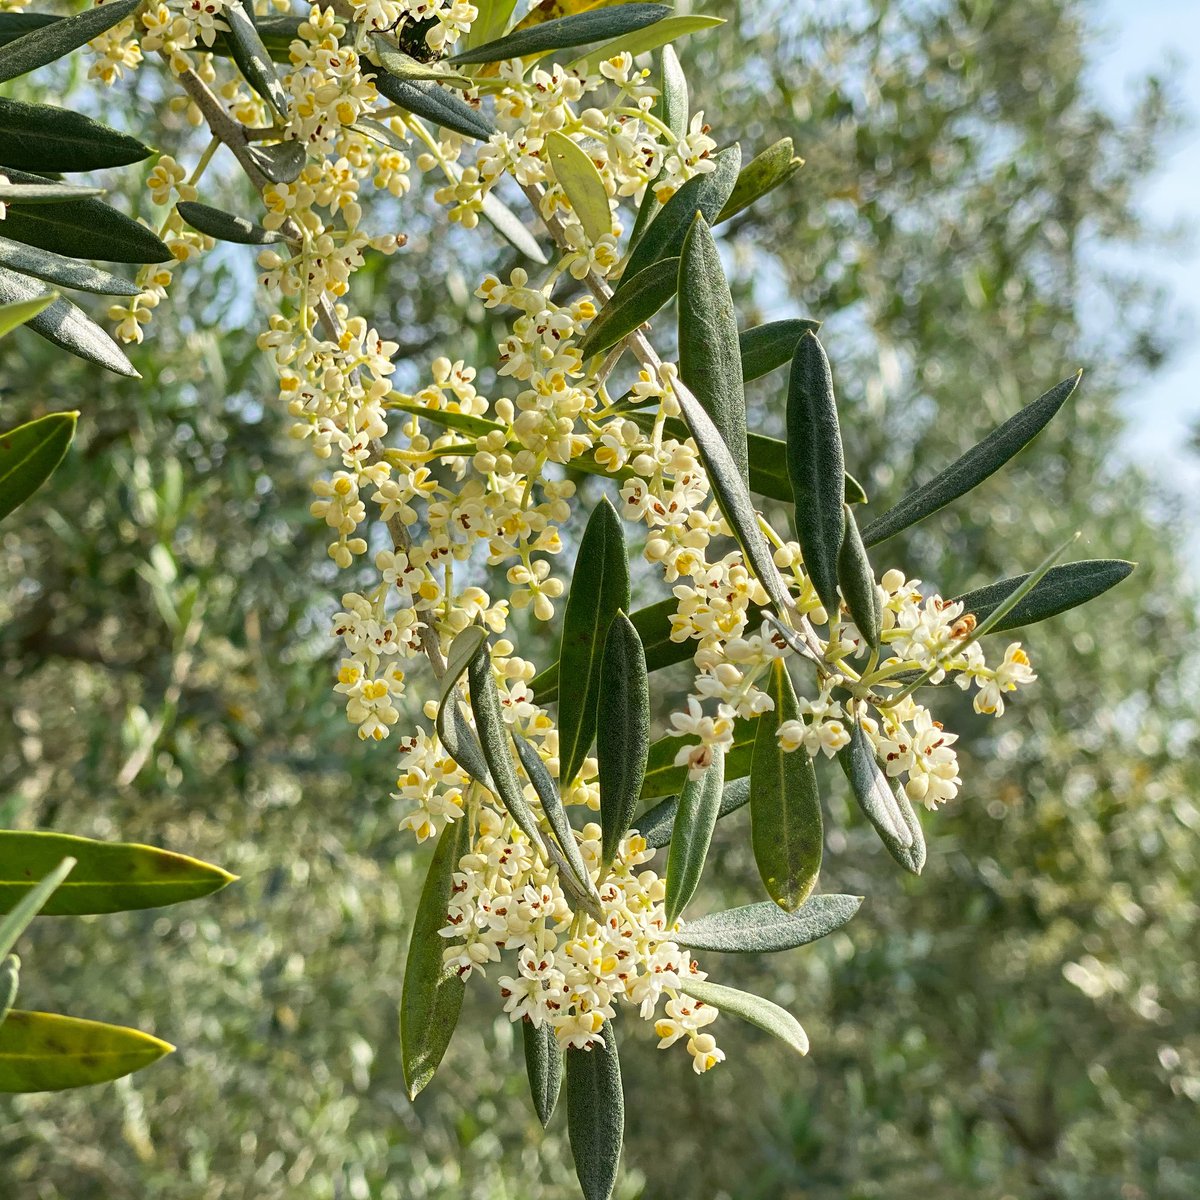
(1019, 1021)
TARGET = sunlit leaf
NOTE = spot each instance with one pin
(577, 176)
(816, 467)
(10, 980)
(280, 162)
(27, 906)
(53, 41)
(404, 66)
(544, 1066)
(640, 41)
(596, 1114)
(762, 174)
(766, 928)
(108, 877)
(785, 805)
(431, 996)
(45, 192)
(671, 108)
(710, 360)
(28, 455)
(17, 312)
(767, 1016)
(983, 459)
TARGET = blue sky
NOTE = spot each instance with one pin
(1139, 37)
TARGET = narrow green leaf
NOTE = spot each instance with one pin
(463, 422)
(766, 928)
(493, 737)
(577, 176)
(31, 903)
(664, 778)
(66, 326)
(857, 582)
(762, 174)
(426, 99)
(710, 360)
(510, 227)
(431, 996)
(657, 824)
(816, 467)
(596, 1115)
(280, 162)
(44, 1052)
(41, 137)
(704, 194)
(10, 979)
(493, 20)
(767, 1016)
(252, 57)
(28, 455)
(579, 29)
(44, 193)
(765, 347)
(732, 496)
(1061, 588)
(404, 66)
(226, 227)
(696, 818)
(66, 272)
(18, 312)
(669, 29)
(855, 494)
(108, 877)
(45, 45)
(556, 813)
(599, 590)
(452, 728)
(982, 460)
(622, 732)
(631, 307)
(671, 108)
(86, 228)
(544, 1066)
(883, 802)
(785, 805)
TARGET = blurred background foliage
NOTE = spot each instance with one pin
(1022, 1021)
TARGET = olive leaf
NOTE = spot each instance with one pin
(766, 1015)
(280, 162)
(577, 176)
(431, 996)
(44, 1052)
(669, 29)
(108, 876)
(42, 137)
(44, 192)
(404, 66)
(704, 194)
(657, 824)
(226, 227)
(50, 42)
(578, 29)
(544, 1067)
(671, 108)
(985, 458)
(762, 174)
(765, 928)
(28, 456)
(883, 802)
(10, 980)
(16, 313)
(857, 582)
(785, 805)
(599, 590)
(427, 99)
(765, 347)
(493, 737)
(622, 732)
(26, 907)
(732, 496)
(696, 818)
(710, 360)
(83, 228)
(252, 57)
(664, 778)
(630, 307)
(596, 1114)
(816, 467)
(452, 729)
(1060, 589)
(66, 326)
(66, 272)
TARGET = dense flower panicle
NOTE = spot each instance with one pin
(465, 482)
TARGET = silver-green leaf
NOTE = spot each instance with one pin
(596, 1115)
(696, 818)
(544, 1067)
(765, 928)
(45, 45)
(857, 582)
(767, 1015)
